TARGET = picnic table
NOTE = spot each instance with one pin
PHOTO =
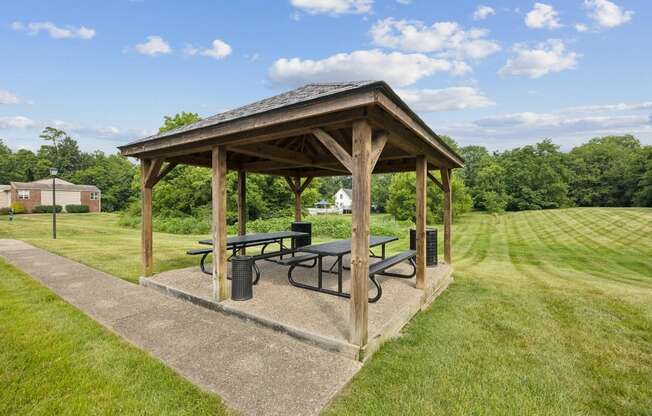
(237, 243)
(337, 249)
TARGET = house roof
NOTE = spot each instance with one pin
(61, 185)
(348, 192)
(5, 187)
(296, 112)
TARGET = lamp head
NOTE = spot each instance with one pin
(54, 171)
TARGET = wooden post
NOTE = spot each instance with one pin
(297, 199)
(220, 291)
(422, 171)
(361, 173)
(146, 235)
(448, 213)
(242, 205)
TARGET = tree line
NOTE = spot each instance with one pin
(606, 171)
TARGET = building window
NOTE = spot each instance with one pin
(341, 196)
(95, 196)
(23, 194)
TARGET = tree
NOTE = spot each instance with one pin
(643, 196)
(536, 177)
(490, 188)
(113, 175)
(474, 158)
(178, 120)
(606, 171)
(402, 198)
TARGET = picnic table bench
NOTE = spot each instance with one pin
(339, 249)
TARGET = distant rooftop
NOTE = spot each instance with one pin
(46, 185)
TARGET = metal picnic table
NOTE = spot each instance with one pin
(337, 249)
(237, 243)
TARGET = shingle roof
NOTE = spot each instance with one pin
(47, 186)
(5, 187)
(302, 94)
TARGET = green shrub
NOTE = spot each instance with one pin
(45, 209)
(5, 211)
(18, 207)
(77, 209)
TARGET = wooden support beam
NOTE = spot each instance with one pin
(146, 234)
(305, 184)
(421, 191)
(361, 205)
(448, 213)
(335, 148)
(377, 147)
(152, 172)
(294, 182)
(167, 169)
(439, 184)
(277, 155)
(242, 205)
(297, 198)
(220, 289)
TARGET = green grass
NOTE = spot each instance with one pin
(55, 360)
(550, 313)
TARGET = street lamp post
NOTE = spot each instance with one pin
(53, 173)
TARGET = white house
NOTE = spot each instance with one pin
(343, 200)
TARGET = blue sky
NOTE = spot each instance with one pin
(498, 74)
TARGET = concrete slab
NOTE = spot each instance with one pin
(313, 317)
(254, 369)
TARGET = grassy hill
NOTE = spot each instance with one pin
(550, 312)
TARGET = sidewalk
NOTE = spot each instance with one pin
(255, 370)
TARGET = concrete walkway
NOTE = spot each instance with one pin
(253, 369)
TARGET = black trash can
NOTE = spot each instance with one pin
(431, 245)
(241, 278)
(302, 227)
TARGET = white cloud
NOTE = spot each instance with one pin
(15, 122)
(404, 1)
(646, 105)
(7, 97)
(453, 98)
(581, 27)
(607, 14)
(546, 57)
(395, 68)
(447, 38)
(482, 12)
(542, 16)
(333, 6)
(155, 45)
(219, 49)
(54, 31)
(563, 126)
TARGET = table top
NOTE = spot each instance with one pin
(341, 247)
(257, 238)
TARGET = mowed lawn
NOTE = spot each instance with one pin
(550, 313)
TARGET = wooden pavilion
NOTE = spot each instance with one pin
(335, 129)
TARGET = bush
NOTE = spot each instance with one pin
(45, 209)
(77, 209)
(4, 211)
(18, 207)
